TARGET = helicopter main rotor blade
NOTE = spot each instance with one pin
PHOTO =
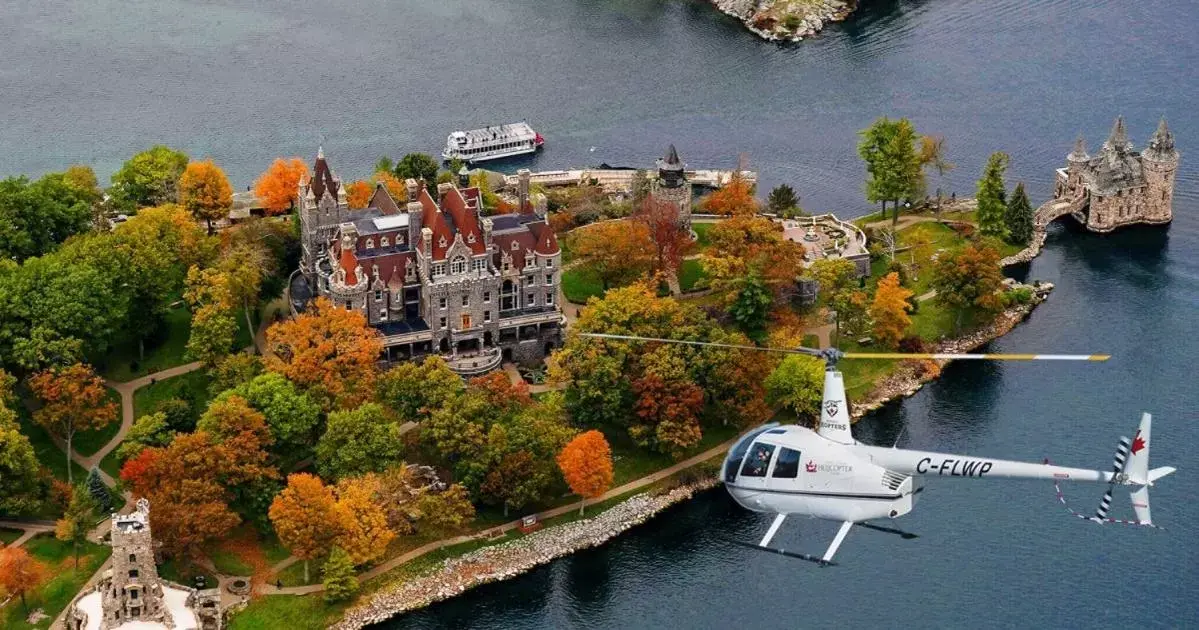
(987, 357)
(812, 352)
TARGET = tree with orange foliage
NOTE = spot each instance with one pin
(204, 191)
(73, 399)
(586, 464)
(364, 531)
(395, 187)
(671, 242)
(306, 517)
(329, 351)
(735, 199)
(743, 243)
(617, 252)
(890, 311)
(358, 194)
(19, 573)
(278, 186)
(668, 404)
(501, 393)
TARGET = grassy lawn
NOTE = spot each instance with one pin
(579, 283)
(192, 387)
(48, 453)
(87, 442)
(63, 581)
(287, 611)
(9, 535)
(110, 464)
(691, 272)
(166, 351)
(701, 234)
(171, 570)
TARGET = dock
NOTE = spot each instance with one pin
(621, 180)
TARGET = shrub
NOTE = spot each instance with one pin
(1019, 295)
(912, 343)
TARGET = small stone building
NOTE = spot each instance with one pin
(1119, 186)
(671, 186)
(131, 594)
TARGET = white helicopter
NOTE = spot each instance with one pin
(793, 470)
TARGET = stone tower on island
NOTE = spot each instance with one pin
(1119, 186)
(672, 186)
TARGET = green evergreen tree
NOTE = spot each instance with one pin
(77, 520)
(99, 491)
(1019, 217)
(340, 582)
(752, 304)
(892, 162)
(782, 200)
(992, 197)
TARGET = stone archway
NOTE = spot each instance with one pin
(443, 345)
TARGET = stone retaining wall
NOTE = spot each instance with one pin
(510, 559)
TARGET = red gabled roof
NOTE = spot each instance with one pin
(547, 242)
(392, 267)
(432, 219)
(525, 242)
(465, 220)
(322, 177)
(382, 200)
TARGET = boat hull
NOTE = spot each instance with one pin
(447, 154)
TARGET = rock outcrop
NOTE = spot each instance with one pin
(786, 20)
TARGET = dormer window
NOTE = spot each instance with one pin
(410, 271)
(470, 238)
(459, 265)
(528, 259)
(515, 245)
(384, 242)
(442, 242)
(370, 243)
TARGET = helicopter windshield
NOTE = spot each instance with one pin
(733, 463)
(758, 461)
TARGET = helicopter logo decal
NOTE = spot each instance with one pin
(1138, 443)
(831, 407)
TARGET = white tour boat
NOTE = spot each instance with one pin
(492, 143)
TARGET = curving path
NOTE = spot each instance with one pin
(270, 589)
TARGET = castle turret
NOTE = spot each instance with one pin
(1160, 164)
(134, 592)
(1118, 141)
(672, 186)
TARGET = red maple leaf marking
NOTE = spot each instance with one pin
(1137, 443)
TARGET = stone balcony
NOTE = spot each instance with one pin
(475, 362)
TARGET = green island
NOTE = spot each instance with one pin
(314, 477)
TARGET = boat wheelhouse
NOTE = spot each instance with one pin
(492, 143)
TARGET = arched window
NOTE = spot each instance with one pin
(459, 265)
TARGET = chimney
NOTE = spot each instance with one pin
(443, 190)
(463, 177)
(540, 205)
(522, 189)
(413, 188)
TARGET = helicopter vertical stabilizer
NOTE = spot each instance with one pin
(834, 410)
(1137, 466)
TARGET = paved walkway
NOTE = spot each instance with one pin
(29, 529)
(637, 484)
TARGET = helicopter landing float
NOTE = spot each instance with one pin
(825, 473)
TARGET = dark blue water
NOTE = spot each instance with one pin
(245, 81)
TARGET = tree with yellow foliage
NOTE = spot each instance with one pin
(306, 517)
(735, 199)
(278, 186)
(395, 187)
(364, 531)
(890, 311)
(204, 191)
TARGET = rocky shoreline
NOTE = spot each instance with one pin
(912, 376)
(786, 20)
(507, 560)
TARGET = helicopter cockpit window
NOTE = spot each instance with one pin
(787, 467)
(733, 463)
(757, 461)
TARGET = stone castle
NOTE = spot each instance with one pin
(131, 595)
(434, 275)
(1119, 186)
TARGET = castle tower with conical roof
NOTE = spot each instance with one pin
(672, 186)
(1119, 186)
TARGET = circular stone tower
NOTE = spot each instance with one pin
(1159, 164)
